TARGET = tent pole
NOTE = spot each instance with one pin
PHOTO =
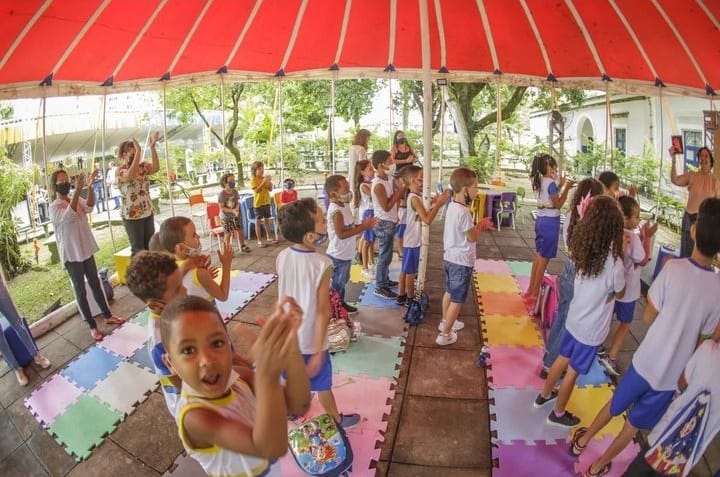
(102, 148)
(165, 148)
(392, 112)
(443, 91)
(44, 148)
(332, 128)
(427, 137)
(608, 128)
(662, 134)
(282, 131)
(498, 100)
(222, 112)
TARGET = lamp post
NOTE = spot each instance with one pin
(329, 111)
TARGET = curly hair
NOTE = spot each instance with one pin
(538, 169)
(148, 272)
(598, 233)
(586, 186)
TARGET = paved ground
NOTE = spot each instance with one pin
(439, 424)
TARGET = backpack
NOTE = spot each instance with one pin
(321, 447)
(546, 305)
(339, 335)
(107, 287)
(417, 308)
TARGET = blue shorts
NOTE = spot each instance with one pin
(457, 281)
(322, 381)
(581, 355)
(547, 233)
(624, 311)
(411, 260)
(648, 405)
(400, 231)
(369, 234)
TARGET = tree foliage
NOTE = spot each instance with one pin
(15, 181)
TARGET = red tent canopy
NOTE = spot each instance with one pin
(60, 47)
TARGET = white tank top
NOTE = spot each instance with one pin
(392, 214)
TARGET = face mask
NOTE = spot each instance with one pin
(391, 170)
(402, 140)
(231, 184)
(468, 200)
(346, 198)
(194, 252)
(63, 188)
(321, 238)
(288, 186)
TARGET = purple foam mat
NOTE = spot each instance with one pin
(125, 340)
(539, 458)
(52, 399)
(596, 447)
(519, 420)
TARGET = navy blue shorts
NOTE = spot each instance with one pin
(624, 311)
(581, 355)
(400, 231)
(322, 381)
(648, 405)
(457, 281)
(411, 260)
(262, 212)
(547, 233)
(369, 234)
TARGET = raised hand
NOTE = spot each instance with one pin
(370, 222)
(225, 254)
(154, 137)
(484, 224)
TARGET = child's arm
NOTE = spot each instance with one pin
(344, 233)
(221, 291)
(257, 185)
(650, 312)
(297, 384)
(385, 202)
(558, 200)
(428, 216)
(321, 323)
(474, 232)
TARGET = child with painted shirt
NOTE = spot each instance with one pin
(341, 233)
(459, 237)
(385, 197)
(412, 176)
(261, 185)
(550, 198)
(596, 246)
(179, 237)
(637, 254)
(234, 425)
(363, 200)
(229, 200)
(683, 305)
(304, 274)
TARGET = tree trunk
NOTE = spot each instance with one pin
(467, 142)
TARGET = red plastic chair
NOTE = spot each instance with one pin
(215, 224)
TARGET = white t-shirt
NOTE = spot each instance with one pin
(701, 375)
(299, 275)
(341, 249)
(365, 199)
(75, 241)
(355, 154)
(392, 214)
(413, 227)
(589, 315)
(687, 297)
(458, 249)
(546, 208)
(634, 254)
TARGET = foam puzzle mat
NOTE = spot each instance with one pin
(524, 441)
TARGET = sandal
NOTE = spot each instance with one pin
(262, 245)
(21, 377)
(245, 248)
(600, 473)
(114, 320)
(96, 334)
(575, 448)
(42, 361)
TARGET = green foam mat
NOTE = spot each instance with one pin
(520, 268)
(142, 317)
(371, 356)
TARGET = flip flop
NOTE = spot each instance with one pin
(245, 248)
(262, 245)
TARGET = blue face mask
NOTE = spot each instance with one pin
(231, 184)
(288, 186)
(320, 240)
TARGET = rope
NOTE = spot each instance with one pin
(102, 146)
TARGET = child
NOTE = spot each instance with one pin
(385, 201)
(550, 198)
(459, 237)
(611, 184)
(178, 236)
(304, 274)
(586, 189)
(416, 212)
(637, 254)
(261, 185)
(363, 201)
(341, 232)
(229, 200)
(233, 425)
(596, 246)
(289, 194)
(683, 304)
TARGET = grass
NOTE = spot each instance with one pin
(36, 290)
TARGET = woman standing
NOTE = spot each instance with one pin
(132, 177)
(701, 185)
(358, 151)
(76, 245)
(402, 152)
(8, 310)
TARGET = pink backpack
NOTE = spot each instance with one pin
(547, 302)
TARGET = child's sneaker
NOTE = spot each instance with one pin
(385, 293)
(392, 283)
(457, 326)
(367, 274)
(609, 365)
(444, 339)
(401, 299)
(566, 420)
(602, 351)
(540, 401)
(348, 421)
(349, 308)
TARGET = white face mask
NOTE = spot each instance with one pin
(391, 169)
(346, 198)
(194, 252)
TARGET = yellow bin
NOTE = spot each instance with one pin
(122, 262)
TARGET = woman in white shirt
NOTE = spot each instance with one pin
(358, 151)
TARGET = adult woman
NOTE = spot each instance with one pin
(132, 176)
(358, 151)
(701, 185)
(8, 310)
(76, 245)
(402, 152)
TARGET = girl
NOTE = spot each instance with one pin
(586, 188)
(362, 198)
(596, 245)
(261, 185)
(550, 198)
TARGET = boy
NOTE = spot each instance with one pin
(304, 275)
(229, 200)
(289, 194)
(683, 304)
(385, 203)
(341, 230)
(229, 424)
(261, 185)
(459, 236)
(415, 215)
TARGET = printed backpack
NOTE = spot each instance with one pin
(340, 328)
(321, 447)
(417, 308)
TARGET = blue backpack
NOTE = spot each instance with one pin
(321, 447)
(417, 308)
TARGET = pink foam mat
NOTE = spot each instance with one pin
(51, 399)
(538, 458)
(252, 282)
(596, 447)
(516, 367)
(523, 282)
(125, 340)
(495, 267)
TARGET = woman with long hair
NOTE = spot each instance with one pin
(358, 151)
(402, 152)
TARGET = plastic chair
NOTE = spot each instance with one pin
(248, 214)
(198, 208)
(520, 191)
(506, 208)
(215, 224)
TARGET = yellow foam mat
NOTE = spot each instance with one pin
(511, 330)
(356, 275)
(586, 402)
(487, 282)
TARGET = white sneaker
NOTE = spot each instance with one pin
(368, 274)
(457, 326)
(444, 339)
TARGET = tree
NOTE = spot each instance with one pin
(14, 184)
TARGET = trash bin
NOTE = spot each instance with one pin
(665, 253)
(52, 247)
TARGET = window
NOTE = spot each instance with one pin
(692, 141)
(620, 142)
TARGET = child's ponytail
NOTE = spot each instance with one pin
(538, 169)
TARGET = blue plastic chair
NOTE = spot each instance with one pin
(248, 215)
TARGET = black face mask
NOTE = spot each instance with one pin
(401, 140)
(63, 188)
(468, 200)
